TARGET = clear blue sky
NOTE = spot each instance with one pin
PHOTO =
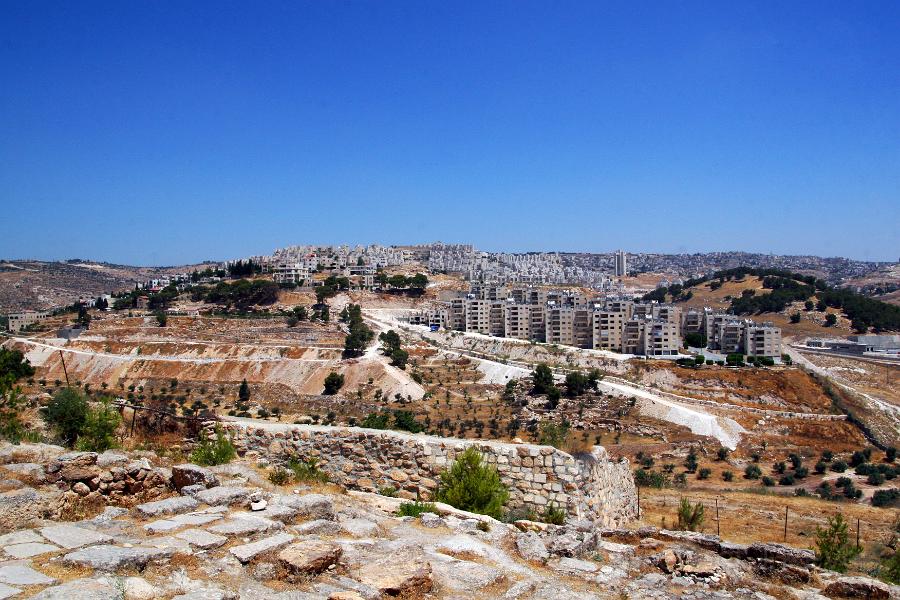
(168, 132)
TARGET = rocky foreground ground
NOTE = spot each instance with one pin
(78, 526)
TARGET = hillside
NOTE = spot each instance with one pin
(776, 296)
(41, 285)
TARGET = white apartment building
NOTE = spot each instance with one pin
(19, 321)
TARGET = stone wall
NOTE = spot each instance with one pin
(591, 486)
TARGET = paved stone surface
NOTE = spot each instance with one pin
(179, 521)
(360, 527)
(113, 558)
(23, 575)
(169, 506)
(201, 539)
(20, 537)
(7, 591)
(71, 536)
(247, 552)
(244, 525)
(309, 506)
(80, 589)
(30, 549)
(224, 494)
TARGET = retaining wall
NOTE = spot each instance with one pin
(591, 486)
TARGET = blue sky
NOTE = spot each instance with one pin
(170, 132)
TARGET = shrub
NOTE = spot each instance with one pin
(388, 490)
(820, 467)
(883, 498)
(376, 421)
(851, 492)
(768, 481)
(704, 473)
(843, 481)
(857, 458)
(98, 433)
(654, 479)
(827, 455)
(279, 476)
(752, 472)
(471, 485)
(554, 515)
(838, 466)
(875, 478)
(404, 420)
(780, 467)
(690, 516)
(11, 426)
(333, 382)
(801, 472)
(786, 480)
(727, 475)
(66, 414)
(307, 471)
(722, 453)
(889, 570)
(834, 550)
(553, 434)
(415, 509)
(690, 462)
(890, 454)
(209, 453)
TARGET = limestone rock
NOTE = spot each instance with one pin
(19, 574)
(113, 558)
(247, 552)
(309, 506)
(785, 554)
(72, 536)
(309, 557)
(169, 506)
(857, 587)
(405, 572)
(80, 589)
(531, 547)
(189, 474)
(225, 495)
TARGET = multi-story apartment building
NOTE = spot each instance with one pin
(762, 340)
(560, 322)
(517, 323)
(608, 328)
(19, 321)
(583, 326)
(661, 338)
(295, 273)
(478, 315)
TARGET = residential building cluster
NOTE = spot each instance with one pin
(612, 323)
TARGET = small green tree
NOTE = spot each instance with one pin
(690, 516)
(554, 434)
(219, 451)
(11, 427)
(98, 433)
(161, 319)
(834, 550)
(542, 377)
(67, 413)
(830, 319)
(471, 485)
(244, 392)
(333, 383)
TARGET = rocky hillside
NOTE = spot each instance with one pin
(77, 525)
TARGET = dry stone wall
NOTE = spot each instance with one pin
(590, 486)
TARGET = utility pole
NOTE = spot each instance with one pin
(62, 358)
(785, 522)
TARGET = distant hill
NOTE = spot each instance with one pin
(40, 285)
(799, 303)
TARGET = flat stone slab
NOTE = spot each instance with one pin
(70, 536)
(20, 537)
(201, 539)
(169, 506)
(247, 552)
(80, 589)
(113, 558)
(244, 525)
(30, 549)
(225, 494)
(8, 591)
(278, 512)
(179, 521)
(23, 575)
